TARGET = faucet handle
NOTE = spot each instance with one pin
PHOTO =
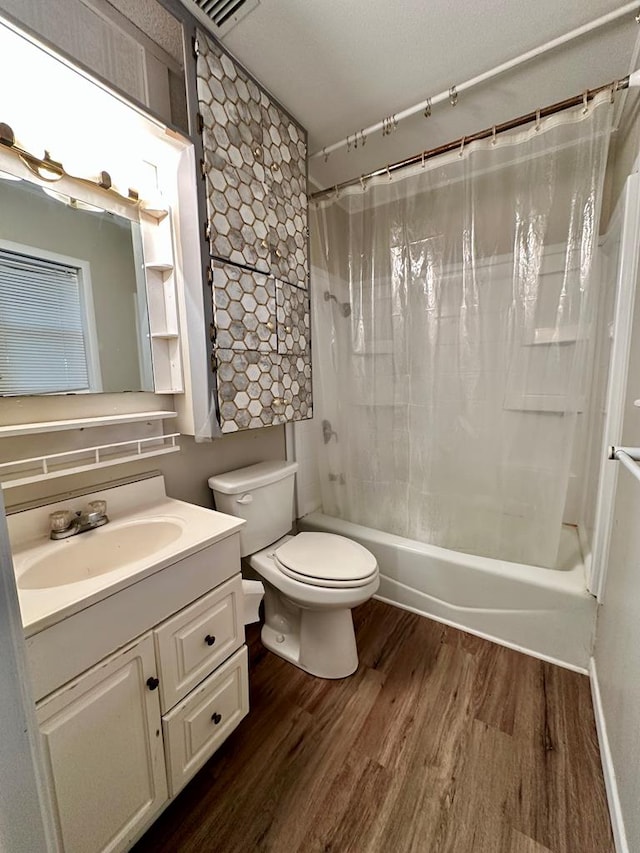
(98, 507)
(60, 520)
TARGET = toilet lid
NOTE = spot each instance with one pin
(326, 559)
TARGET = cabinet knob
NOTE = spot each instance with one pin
(257, 152)
(209, 640)
(269, 325)
(152, 683)
(216, 718)
(287, 329)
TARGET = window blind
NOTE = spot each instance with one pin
(42, 347)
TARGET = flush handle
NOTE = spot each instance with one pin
(245, 499)
(209, 640)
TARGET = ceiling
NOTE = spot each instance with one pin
(339, 67)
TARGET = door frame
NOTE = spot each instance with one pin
(626, 217)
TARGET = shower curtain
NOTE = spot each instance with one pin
(453, 310)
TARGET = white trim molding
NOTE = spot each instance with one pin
(610, 781)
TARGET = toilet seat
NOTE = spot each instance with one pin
(327, 560)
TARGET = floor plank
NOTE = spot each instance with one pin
(439, 743)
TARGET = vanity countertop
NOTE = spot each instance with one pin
(142, 508)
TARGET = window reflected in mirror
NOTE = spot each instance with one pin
(73, 310)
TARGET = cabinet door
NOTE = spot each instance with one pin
(244, 309)
(294, 346)
(229, 105)
(249, 389)
(103, 749)
(285, 162)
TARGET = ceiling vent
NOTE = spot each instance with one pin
(222, 14)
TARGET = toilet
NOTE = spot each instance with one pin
(311, 580)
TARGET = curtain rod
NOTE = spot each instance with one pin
(494, 130)
(390, 122)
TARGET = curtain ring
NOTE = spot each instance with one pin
(363, 183)
(585, 102)
(538, 119)
(325, 155)
(453, 96)
(461, 152)
(348, 144)
(493, 135)
(427, 109)
(336, 191)
(388, 172)
(614, 86)
(395, 121)
(363, 138)
(423, 159)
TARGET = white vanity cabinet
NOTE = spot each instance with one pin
(124, 736)
(104, 754)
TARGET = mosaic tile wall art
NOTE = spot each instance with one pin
(244, 309)
(255, 171)
(292, 313)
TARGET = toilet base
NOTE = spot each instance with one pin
(321, 642)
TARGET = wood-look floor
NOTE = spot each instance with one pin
(440, 743)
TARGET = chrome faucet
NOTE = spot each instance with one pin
(65, 523)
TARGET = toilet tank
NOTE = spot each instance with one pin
(262, 494)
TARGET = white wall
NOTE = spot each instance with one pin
(617, 644)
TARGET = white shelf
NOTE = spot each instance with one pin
(104, 455)
(83, 423)
(159, 266)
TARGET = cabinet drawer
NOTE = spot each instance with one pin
(194, 641)
(196, 727)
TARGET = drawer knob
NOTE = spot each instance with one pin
(216, 719)
(152, 683)
(209, 640)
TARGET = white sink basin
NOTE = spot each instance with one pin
(147, 533)
(98, 552)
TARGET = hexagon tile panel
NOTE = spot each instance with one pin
(292, 312)
(244, 309)
(296, 387)
(230, 106)
(249, 390)
(285, 157)
(255, 171)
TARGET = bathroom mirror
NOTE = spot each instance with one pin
(73, 310)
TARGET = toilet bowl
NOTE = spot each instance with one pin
(312, 580)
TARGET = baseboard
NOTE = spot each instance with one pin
(611, 784)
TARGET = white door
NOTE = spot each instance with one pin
(621, 250)
(102, 739)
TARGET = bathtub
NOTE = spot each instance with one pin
(547, 613)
